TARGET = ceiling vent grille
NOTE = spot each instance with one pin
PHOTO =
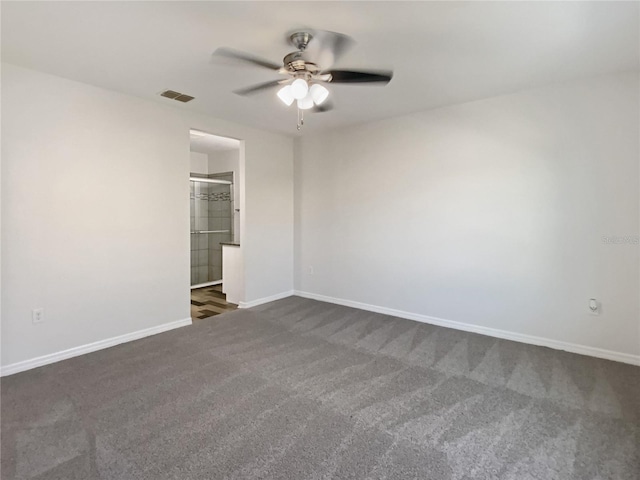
(180, 97)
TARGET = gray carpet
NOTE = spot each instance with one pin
(299, 389)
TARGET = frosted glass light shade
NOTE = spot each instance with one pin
(299, 88)
(285, 95)
(305, 103)
(318, 93)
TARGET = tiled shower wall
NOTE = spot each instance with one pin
(211, 209)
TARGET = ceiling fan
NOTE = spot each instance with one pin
(306, 70)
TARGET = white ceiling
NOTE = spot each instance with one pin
(442, 52)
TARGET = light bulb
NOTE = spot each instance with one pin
(305, 103)
(299, 88)
(318, 93)
(285, 95)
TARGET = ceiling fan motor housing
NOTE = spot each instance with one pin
(295, 62)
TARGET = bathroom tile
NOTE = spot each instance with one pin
(203, 274)
(215, 257)
(215, 273)
(201, 223)
(215, 223)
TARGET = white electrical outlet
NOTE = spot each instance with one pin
(594, 306)
(37, 315)
(310, 270)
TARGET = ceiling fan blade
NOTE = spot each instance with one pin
(229, 56)
(325, 48)
(259, 88)
(349, 76)
(324, 107)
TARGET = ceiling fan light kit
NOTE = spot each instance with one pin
(305, 103)
(286, 95)
(299, 88)
(318, 93)
(307, 68)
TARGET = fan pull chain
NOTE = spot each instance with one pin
(300, 119)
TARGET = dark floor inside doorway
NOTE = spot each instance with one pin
(209, 301)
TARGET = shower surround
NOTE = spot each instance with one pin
(211, 212)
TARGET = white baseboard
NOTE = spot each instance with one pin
(260, 301)
(492, 332)
(90, 347)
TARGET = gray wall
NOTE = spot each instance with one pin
(494, 213)
(95, 213)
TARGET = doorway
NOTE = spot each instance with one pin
(214, 222)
